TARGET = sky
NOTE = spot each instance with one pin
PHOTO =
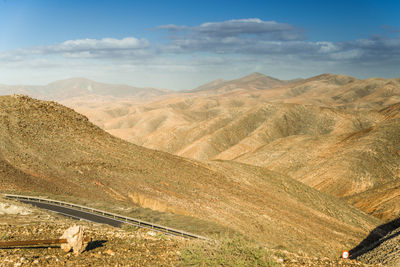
(179, 45)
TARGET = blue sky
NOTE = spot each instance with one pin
(182, 44)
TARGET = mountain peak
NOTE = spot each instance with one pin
(258, 75)
(255, 75)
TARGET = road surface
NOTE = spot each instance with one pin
(77, 214)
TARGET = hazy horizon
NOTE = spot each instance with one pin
(172, 89)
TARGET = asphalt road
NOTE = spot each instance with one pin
(105, 217)
(77, 214)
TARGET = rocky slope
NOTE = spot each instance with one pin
(380, 247)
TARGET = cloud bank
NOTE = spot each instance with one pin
(253, 27)
(257, 37)
(227, 48)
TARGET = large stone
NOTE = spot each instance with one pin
(74, 236)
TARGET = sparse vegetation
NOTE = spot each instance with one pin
(186, 223)
(226, 252)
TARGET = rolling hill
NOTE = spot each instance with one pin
(335, 133)
(46, 148)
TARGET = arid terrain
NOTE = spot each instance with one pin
(335, 133)
(52, 150)
(307, 167)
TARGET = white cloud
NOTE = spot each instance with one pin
(105, 48)
(90, 45)
(327, 47)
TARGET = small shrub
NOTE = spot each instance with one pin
(130, 227)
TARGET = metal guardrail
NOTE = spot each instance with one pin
(117, 217)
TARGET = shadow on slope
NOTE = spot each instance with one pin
(375, 238)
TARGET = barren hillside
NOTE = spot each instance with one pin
(335, 133)
(49, 149)
(185, 123)
(340, 163)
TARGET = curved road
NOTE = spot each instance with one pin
(77, 214)
(98, 216)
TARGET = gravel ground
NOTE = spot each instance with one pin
(110, 247)
(385, 251)
(294, 260)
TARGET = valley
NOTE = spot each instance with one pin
(335, 133)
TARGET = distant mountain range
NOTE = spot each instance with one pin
(81, 88)
(85, 89)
